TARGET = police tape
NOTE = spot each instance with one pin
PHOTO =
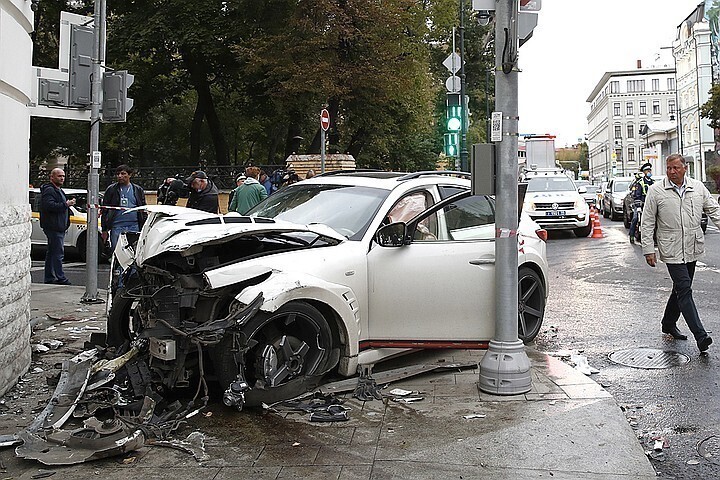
(108, 207)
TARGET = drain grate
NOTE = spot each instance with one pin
(649, 358)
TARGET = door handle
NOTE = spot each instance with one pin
(483, 261)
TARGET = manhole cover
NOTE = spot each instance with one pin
(649, 358)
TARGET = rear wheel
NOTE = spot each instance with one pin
(531, 304)
(288, 351)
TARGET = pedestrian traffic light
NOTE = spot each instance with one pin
(451, 144)
(116, 103)
(453, 112)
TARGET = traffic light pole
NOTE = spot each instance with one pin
(505, 368)
(91, 258)
(464, 166)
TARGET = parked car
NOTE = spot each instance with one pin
(326, 274)
(555, 204)
(76, 235)
(590, 193)
(613, 196)
(628, 208)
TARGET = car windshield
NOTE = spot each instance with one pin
(592, 188)
(621, 186)
(550, 184)
(346, 209)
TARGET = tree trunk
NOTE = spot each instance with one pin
(333, 133)
(195, 129)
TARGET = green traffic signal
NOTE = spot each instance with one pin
(453, 124)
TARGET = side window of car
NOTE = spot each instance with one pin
(470, 218)
(409, 207)
(447, 191)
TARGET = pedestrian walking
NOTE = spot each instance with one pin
(122, 194)
(249, 194)
(203, 193)
(54, 221)
(673, 210)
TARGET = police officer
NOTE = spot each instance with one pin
(639, 192)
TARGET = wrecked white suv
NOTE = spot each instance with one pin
(343, 269)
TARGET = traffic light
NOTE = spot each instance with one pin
(116, 103)
(451, 145)
(453, 112)
(81, 51)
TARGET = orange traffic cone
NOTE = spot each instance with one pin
(597, 229)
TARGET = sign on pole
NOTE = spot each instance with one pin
(324, 120)
(452, 62)
(453, 84)
(496, 127)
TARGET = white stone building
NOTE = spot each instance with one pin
(693, 54)
(16, 24)
(624, 105)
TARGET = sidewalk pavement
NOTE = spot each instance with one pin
(566, 427)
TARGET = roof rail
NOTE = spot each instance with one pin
(343, 172)
(452, 173)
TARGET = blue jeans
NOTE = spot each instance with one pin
(681, 300)
(634, 222)
(54, 256)
(116, 231)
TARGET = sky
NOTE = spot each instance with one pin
(575, 43)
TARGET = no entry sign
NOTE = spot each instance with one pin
(324, 119)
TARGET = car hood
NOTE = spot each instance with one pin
(186, 230)
(552, 196)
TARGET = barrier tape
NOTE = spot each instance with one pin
(108, 207)
(505, 233)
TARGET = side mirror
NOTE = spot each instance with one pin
(582, 189)
(392, 235)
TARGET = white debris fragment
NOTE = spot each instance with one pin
(39, 348)
(408, 399)
(37, 370)
(581, 364)
(399, 392)
(474, 415)
(52, 343)
(693, 462)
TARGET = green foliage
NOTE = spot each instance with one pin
(711, 108)
(243, 81)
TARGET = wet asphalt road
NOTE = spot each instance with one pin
(605, 298)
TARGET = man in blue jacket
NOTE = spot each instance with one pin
(54, 221)
(126, 195)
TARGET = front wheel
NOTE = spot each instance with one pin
(583, 231)
(287, 352)
(531, 304)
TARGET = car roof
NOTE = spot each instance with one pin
(71, 191)
(386, 180)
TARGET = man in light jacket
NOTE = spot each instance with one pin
(673, 210)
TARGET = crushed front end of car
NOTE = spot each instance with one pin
(179, 304)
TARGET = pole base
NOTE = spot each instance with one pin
(505, 369)
(90, 299)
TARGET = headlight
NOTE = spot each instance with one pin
(579, 202)
(528, 206)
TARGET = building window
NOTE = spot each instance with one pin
(671, 106)
(630, 130)
(635, 86)
(616, 109)
(615, 87)
(671, 84)
(655, 84)
(618, 131)
(629, 108)
(643, 108)
(631, 154)
(656, 107)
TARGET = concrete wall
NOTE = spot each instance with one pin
(16, 20)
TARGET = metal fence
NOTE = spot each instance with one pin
(150, 178)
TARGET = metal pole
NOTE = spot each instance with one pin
(322, 150)
(487, 105)
(505, 368)
(464, 167)
(91, 258)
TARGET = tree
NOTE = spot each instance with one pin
(711, 108)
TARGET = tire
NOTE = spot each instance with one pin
(613, 215)
(583, 231)
(605, 213)
(531, 304)
(626, 221)
(119, 319)
(302, 352)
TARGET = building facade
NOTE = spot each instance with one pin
(694, 54)
(16, 24)
(624, 106)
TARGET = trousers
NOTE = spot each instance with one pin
(681, 300)
(54, 256)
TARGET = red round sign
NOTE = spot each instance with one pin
(324, 119)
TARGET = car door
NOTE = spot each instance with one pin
(439, 286)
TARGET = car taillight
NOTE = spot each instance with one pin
(542, 234)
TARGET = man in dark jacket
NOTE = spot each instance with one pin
(122, 194)
(54, 221)
(639, 190)
(203, 193)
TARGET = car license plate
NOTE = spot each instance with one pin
(555, 213)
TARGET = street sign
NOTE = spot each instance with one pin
(452, 62)
(496, 121)
(324, 120)
(453, 84)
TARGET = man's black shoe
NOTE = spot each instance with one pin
(676, 334)
(632, 239)
(64, 281)
(704, 343)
